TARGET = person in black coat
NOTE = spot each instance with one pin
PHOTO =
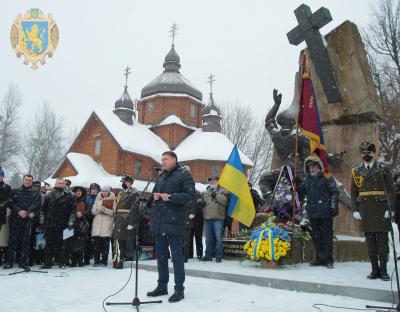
(78, 242)
(174, 188)
(5, 203)
(25, 208)
(58, 214)
(321, 202)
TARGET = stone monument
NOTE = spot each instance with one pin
(355, 118)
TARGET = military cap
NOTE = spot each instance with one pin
(366, 147)
(127, 178)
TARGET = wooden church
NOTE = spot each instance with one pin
(130, 139)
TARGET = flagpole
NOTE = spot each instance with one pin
(294, 202)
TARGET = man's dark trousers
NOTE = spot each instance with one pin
(175, 243)
(322, 236)
(20, 236)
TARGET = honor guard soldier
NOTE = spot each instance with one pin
(126, 218)
(372, 192)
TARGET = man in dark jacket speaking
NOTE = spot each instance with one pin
(173, 189)
(321, 202)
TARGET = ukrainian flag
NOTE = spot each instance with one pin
(233, 179)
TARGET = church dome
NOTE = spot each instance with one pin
(211, 108)
(124, 101)
(171, 80)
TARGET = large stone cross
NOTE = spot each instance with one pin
(308, 31)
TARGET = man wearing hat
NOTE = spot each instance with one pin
(372, 202)
(126, 218)
(5, 204)
(215, 201)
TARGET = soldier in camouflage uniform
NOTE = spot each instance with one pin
(126, 219)
(372, 193)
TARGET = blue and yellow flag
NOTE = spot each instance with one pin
(233, 179)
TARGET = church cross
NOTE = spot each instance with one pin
(308, 31)
(126, 74)
(173, 32)
(210, 81)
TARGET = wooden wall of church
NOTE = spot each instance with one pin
(153, 110)
(172, 134)
(110, 155)
(66, 170)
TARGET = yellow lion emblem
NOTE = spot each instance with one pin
(36, 39)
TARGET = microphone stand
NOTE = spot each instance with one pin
(136, 301)
(397, 307)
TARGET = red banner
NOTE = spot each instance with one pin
(309, 122)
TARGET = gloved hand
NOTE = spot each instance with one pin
(356, 215)
(213, 194)
(387, 214)
(191, 216)
(129, 227)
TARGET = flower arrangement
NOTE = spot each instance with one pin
(268, 242)
(282, 200)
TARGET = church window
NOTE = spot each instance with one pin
(138, 167)
(150, 109)
(97, 147)
(192, 110)
(214, 170)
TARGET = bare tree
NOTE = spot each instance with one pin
(382, 38)
(9, 138)
(260, 152)
(241, 126)
(44, 143)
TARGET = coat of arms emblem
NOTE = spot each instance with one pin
(34, 36)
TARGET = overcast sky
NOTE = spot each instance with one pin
(243, 43)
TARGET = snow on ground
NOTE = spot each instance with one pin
(83, 290)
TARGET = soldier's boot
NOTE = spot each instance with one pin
(383, 269)
(375, 273)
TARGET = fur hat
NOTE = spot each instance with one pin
(313, 160)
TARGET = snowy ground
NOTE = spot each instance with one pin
(83, 289)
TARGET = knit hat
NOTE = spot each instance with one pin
(106, 188)
(1, 172)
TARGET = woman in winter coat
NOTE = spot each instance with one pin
(81, 228)
(102, 227)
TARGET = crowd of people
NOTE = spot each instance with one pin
(35, 220)
(74, 226)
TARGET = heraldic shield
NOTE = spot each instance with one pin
(34, 36)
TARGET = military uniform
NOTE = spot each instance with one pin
(127, 213)
(372, 193)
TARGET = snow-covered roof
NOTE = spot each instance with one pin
(207, 146)
(89, 171)
(136, 138)
(173, 119)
